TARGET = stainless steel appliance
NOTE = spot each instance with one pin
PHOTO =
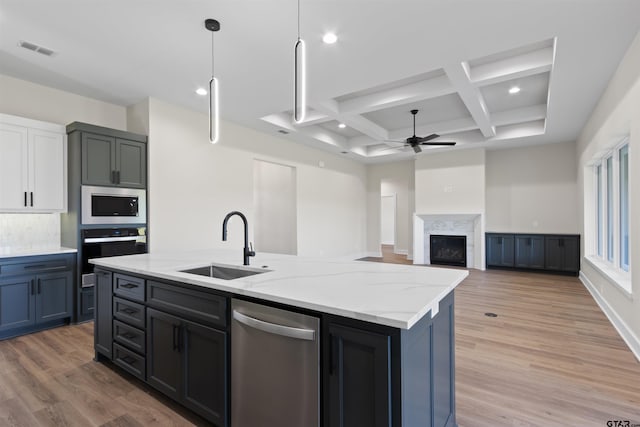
(111, 205)
(105, 242)
(275, 368)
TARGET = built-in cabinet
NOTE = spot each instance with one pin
(35, 293)
(545, 252)
(33, 157)
(176, 336)
(110, 157)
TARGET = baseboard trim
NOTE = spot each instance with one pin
(401, 252)
(620, 325)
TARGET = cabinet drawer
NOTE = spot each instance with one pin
(129, 361)
(129, 287)
(127, 335)
(46, 266)
(129, 312)
(202, 307)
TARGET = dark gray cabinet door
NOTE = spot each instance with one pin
(17, 302)
(529, 251)
(131, 163)
(443, 365)
(98, 159)
(205, 371)
(103, 310)
(164, 358)
(359, 379)
(562, 253)
(500, 250)
(54, 296)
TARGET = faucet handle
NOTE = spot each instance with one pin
(251, 252)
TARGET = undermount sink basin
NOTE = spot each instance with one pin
(224, 273)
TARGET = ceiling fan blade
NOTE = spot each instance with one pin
(438, 143)
(427, 138)
(399, 141)
(398, 149)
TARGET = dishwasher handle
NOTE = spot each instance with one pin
(274, 328)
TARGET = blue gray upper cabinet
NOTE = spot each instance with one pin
(110, 157)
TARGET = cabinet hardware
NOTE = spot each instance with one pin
(129, 335)
(32, 199)
(25, 199)
(175, 337)
(31, 267)
(129, 286)
(128, 360)
(129, 311)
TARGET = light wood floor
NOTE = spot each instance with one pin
(550, 358)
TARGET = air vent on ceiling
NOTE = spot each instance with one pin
(34, 47)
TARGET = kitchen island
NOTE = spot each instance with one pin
(386, 332)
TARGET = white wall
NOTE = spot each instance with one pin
(33, 101)
(532, 189)
(452, 182)
(26, 99)
(193, 184)
(391, 178)
(616, 115)
(274, 201)
(388, 219)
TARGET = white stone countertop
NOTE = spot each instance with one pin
(387, 294)
(6, 252)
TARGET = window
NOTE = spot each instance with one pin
(624, 207)
(612, 207)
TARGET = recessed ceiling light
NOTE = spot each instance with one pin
(201, 91)
(342, 126)
(329, 38)
(514, 89)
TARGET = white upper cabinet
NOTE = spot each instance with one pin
(33, 166)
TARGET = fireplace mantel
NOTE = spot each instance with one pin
(470, 225)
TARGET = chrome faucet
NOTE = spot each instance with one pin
(248, 250)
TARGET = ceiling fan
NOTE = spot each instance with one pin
(416, 141)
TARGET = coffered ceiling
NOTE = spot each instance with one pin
(454, 60)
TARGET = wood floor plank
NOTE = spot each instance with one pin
(61, 414)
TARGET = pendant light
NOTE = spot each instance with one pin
(214, 113)
(300, 76)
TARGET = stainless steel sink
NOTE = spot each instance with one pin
(221, 272)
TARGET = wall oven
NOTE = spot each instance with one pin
(112, 205)
(106, 242)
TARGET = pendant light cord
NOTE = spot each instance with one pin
(298, 19)
(212, 47)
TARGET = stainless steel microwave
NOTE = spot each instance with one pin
(113, 205)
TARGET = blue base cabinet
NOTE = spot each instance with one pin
(555, 253)
(387, 377)
(36, 293)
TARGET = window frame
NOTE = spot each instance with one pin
(607, 226)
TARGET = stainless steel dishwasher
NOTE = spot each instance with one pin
(275, 367)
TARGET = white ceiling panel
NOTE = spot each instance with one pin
(533, 91)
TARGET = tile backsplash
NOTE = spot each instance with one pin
(29, 231)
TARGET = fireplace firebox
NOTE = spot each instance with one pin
(448, 250)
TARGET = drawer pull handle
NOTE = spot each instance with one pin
(129, 286)
(129, 311)
(129, 335)
(128, 360)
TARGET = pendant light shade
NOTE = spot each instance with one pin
(214, 108)
(300, 78)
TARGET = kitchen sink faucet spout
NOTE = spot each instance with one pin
(248, 250)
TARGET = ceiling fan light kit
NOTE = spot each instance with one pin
(214, 108)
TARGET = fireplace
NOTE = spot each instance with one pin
(448, 250)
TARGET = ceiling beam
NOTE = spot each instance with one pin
(357, 122)
(527, 64)
(459, 76)
(520, 115)
(425, 89)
